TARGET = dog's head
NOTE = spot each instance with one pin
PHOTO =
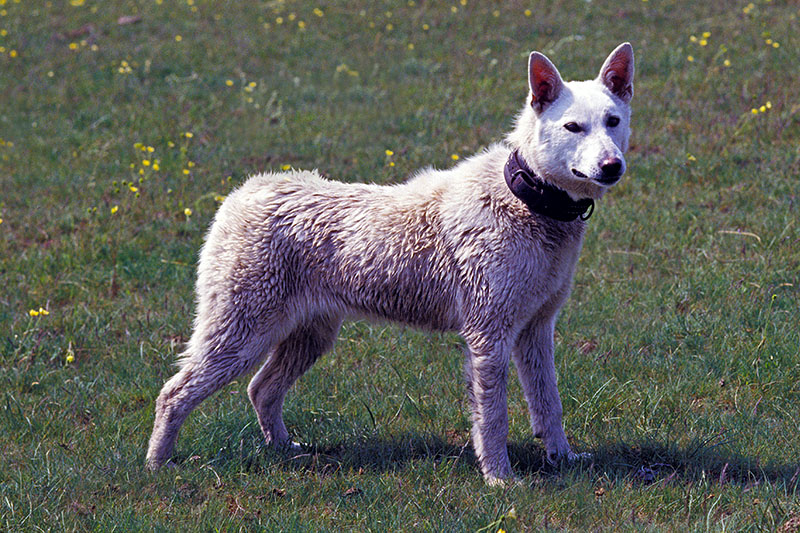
(575, 134)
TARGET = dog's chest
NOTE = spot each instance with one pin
(544, 262)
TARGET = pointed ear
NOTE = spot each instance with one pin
(617, 72)
(544, 80)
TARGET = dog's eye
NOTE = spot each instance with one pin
(612, 122)
(574, 127)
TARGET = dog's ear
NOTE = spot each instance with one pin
(544, 80)
(617, 72)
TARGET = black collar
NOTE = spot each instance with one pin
(540, 196)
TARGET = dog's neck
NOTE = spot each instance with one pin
(541, 197)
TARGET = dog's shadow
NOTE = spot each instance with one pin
(653, 461)
(644, 462)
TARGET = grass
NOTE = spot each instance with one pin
(677, 352)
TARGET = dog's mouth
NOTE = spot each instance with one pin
(602, 180)
(579, 174)
(608, 180)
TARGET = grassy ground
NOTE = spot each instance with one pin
(678, 351)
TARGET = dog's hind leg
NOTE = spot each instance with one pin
(200, 377)
(535, 364)
(285, 364)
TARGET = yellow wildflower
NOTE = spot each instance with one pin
(114, 209)
(187, 212)
(70, 354)
(229, 83)
(178, 38)
(454, 157)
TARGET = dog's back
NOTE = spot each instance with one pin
(295, 243)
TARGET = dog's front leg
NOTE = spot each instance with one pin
(535, 364)
(487, 370)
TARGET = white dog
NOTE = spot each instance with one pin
(486, 248)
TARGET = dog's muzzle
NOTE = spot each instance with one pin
(611, 170)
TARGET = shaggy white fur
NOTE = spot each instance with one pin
(290, 255)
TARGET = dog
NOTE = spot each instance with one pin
(486, 248)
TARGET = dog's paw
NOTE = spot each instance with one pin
(289, 447)
(503, 482)
(569, 457)
(154, 466)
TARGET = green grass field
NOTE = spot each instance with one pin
(677, 352)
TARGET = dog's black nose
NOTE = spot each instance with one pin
(611, 167)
